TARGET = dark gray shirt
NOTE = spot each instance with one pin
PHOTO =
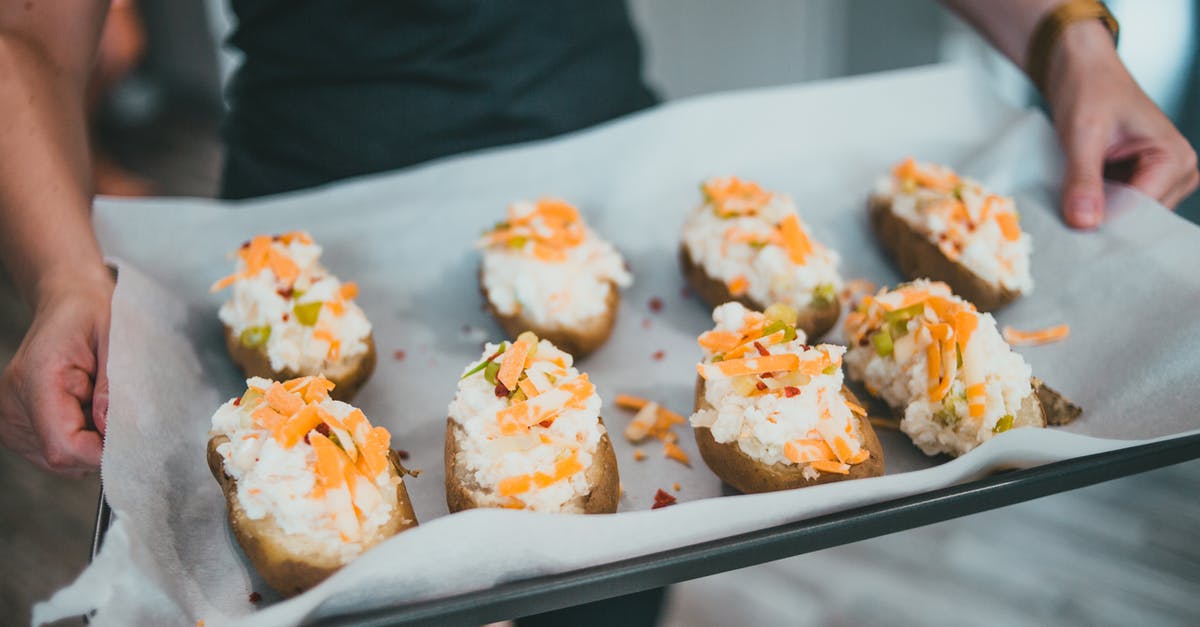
(337, 88)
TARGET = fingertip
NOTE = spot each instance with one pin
(1083, 211)
(100, 408)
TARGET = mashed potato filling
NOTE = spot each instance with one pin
(287, 303)
(968, 223)
(545, 263)
(934, 357)
(755, 242)
(777, 398)
(316, 465)
(532, 427)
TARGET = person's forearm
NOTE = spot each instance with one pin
(45, 196)
(1009, 25)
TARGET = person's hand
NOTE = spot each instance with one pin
(1109, 128)
(55, 387)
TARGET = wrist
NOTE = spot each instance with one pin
(1085, 49)
(82, 278)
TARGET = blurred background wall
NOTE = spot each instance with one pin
(1038, 562)
(692, 47)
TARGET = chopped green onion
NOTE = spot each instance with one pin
(307, 313)
(905, 314)
(774, 327)
(781, 312)
(490, 371)
(830, 370)
(1004, 424)
(823, 295)
(883, 343)
(253, 337)
(518, 242)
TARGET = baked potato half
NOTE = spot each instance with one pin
(289, 317)
(771, 412)
(937, 225)
(349, 374)
(749, 475)
(543, 270)
(581, 338)
(815, 319)
(524, 432)
(309, 484)
(464, 492)
(748, 245)
(976, 386)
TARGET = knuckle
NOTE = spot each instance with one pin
(58, 459)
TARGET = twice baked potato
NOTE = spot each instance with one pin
(748, 245)
(309, 484)
(524, 432)
(771, 412)
(941, 365)
(543, 270)
(289, 317)
(940, 226)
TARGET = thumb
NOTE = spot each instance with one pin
(1083, 185)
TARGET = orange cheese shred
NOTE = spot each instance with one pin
(512, 364)
(1034, 338)
(836, 468)
(795, 241)
(1008, 225)
(751, 365)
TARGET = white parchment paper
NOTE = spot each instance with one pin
(406, 238)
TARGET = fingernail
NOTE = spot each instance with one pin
(1084, 213)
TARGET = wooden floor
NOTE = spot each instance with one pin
(1124, 553)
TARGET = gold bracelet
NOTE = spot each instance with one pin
(1050, 28)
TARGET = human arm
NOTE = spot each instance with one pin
(47, 244)
(1105, 122)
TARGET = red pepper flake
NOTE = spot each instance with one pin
(398, 355)
(658, 355)
(402, 454)
(286, 317)
(646, 323)
(767, 375)
(662, 498)
(285, 292)
(545, 424)
(791, 391)
(656, 304)
(323, 429)
(255, 597)
(501, 391)
(237, 401)
(245, 244)
(762, 387)
(761, 351)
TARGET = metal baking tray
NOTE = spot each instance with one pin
(541, 594)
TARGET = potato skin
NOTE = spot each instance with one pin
(748, 475)
(348, 376)
(288, 563)
(579, 341)
(919, 258)
(814, 321)
(602, 476)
